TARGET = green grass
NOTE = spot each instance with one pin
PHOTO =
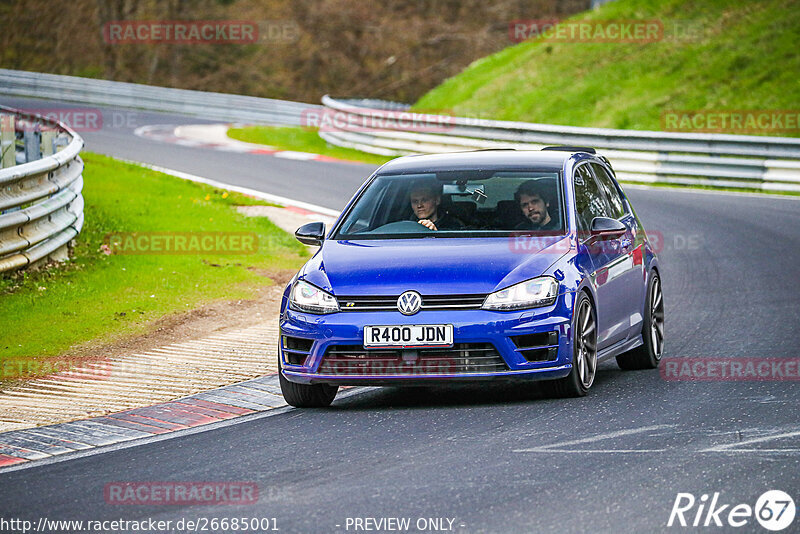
(102, 298)
(301, 140)
(742, 56)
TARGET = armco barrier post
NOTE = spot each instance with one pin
(41, 208)
(7, 141)
(48, 143)
(32, 138)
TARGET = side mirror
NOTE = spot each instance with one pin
(311, 234)
(605, 227)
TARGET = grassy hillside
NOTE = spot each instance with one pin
(306, 48)
(737, 56)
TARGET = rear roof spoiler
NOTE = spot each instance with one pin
(586, 149)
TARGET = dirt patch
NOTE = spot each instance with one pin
(210, 319)
(218, 344)
(214, 318)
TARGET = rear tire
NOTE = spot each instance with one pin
(648, 355)
(584, 353)
(306, 395)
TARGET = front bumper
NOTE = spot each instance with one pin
(470, 328)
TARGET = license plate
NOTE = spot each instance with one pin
(409, 335)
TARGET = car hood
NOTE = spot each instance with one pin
(433, 266)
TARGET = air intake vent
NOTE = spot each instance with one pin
(295, 349)
(541, 347)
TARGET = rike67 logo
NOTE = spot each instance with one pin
(774, 510)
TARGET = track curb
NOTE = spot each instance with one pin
(213, 406)
(167, 133)
(228, 402)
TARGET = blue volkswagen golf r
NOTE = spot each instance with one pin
(497, 264)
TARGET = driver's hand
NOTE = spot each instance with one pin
(427, 223)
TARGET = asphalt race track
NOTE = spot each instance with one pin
(497, 458)
(324, 184)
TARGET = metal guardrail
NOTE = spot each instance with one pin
(717, 160)
(41, 206)
(215, 106)
(736, 161)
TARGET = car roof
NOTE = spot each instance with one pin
(551, 160)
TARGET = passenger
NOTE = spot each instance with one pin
(530, 197)
(425, 201)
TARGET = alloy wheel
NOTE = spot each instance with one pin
(657, 318)
(586, 339)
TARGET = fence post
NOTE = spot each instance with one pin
(48, 142)
(7, 142)
(32, 138)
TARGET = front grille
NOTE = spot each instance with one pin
(462, 358)
(429, 302)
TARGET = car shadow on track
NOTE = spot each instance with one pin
(477, 394)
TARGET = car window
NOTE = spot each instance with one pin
(483, 203)
(589, 201)
(611, 192)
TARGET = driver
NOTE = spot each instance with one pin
(425, 199)
(530, 197)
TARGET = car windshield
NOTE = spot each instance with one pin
(479, 203)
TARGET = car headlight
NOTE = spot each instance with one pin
(307, 298)
(541, 291)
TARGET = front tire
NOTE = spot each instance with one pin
(648, 355)
(584, 353)
(306, 395)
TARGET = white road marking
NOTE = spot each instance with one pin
(734, 447)
(559, 447)
(779, 451)
(592, 451)
(738, 447)
(245, 190)
(290, 154)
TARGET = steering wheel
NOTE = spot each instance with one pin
(400, 227)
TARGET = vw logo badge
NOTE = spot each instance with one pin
(409, 303)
